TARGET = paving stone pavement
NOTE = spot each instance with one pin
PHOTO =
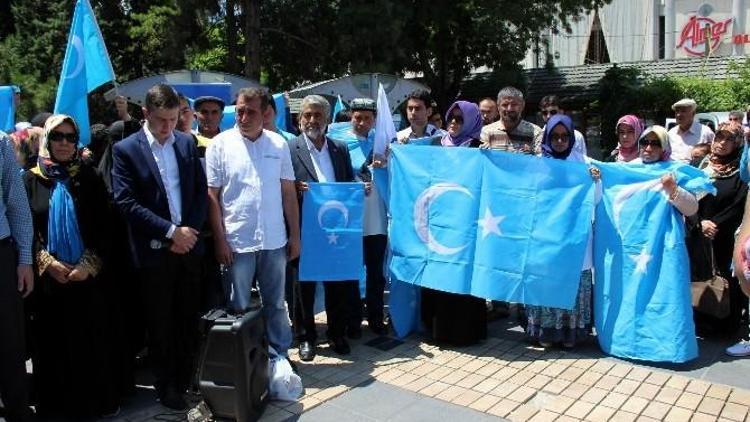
(503, 377)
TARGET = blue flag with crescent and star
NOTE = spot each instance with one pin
(332, 232)
(86, 67)
(642, 299)
(491, 224)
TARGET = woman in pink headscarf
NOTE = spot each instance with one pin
(629, 129)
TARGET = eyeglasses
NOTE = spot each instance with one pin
(456, 117)
(655, 143)
(549, 112)
(556, 137)
(734, 119)
(59, 136)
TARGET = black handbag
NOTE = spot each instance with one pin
(711, 295)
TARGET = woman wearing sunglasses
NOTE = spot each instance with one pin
(72, 358)
(653, 147)
(548, 326)
(439, 309)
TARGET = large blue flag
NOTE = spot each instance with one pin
(7, 109)
(642, 292)
(332, 232)
(491, 224)
(85, 68)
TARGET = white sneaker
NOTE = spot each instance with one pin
(741, 349)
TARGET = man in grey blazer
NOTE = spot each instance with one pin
(316, 158)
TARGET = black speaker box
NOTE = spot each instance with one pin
(233, 376)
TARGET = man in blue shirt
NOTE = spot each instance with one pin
(16, 282)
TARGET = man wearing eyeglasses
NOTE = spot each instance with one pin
(688, 132)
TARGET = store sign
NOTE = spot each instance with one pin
(700, 29)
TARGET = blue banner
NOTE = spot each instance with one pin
(332, 232)
(491, 224)
(280, 103)
(642, 300)
(85, 68)
(7, 109)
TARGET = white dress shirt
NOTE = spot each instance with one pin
(166, 161)
(321, 161)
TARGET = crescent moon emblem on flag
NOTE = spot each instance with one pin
(422, 208)
(333, 205)
(80, 58)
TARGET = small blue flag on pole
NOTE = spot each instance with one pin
(85, 68)
(332, 232)
(337, 107)
(7, 109)
(280, 103)
(642, 301)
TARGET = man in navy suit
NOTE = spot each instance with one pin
(160, 187)
(316, 158)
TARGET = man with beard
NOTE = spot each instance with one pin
(488, 110)
(317, 158)
(252, 202)
(511, 133)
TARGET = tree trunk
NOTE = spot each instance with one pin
(252, 39)
(233, 63)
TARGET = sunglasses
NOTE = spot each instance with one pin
(59, 136)
(457, 118)
(646, 142)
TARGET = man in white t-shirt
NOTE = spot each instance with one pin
(252, 201)
(688, 132)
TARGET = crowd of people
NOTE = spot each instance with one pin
(123, 244)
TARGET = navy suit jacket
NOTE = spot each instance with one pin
(140, 195)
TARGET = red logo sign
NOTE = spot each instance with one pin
(693, 36)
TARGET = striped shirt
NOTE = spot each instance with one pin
(15, 215)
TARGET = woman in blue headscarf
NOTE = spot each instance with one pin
(549, 326)
(456, 319)
(72, 361)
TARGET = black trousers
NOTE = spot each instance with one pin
(374, 254)
(302, 303)
(13, 379)
(337, 294)
(171, 296)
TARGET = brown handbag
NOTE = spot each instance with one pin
(711, 296)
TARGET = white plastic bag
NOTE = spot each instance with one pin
(283, 383)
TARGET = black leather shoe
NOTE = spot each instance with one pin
(340, 346)
(173, 400)
(306, 351)
(354, 333)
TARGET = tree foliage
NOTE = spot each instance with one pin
(280, 42)
(627, 90)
